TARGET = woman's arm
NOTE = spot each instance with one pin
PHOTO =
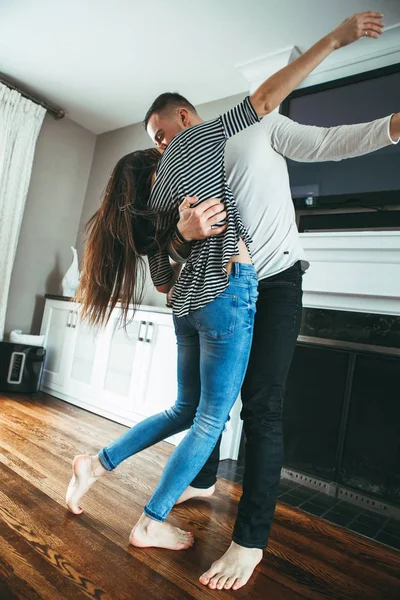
(274, 90)
(176, 269)
(179, 252)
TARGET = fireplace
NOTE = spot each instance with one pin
(342, 403)
(342, 412)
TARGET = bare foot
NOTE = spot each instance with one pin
(85, 471)
(192, 492)
(233, 569)
(149, 533)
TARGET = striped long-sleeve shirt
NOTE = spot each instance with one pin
(193, 165)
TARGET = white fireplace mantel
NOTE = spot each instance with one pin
(353, 271)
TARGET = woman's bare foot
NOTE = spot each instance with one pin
(149, 533)
(192, 492)
(85, 471)
(233, 569)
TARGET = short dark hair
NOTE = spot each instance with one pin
(167, 101)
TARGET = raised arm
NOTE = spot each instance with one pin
(307, 143)
(274, 90)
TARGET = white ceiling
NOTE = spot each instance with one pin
(104, 61)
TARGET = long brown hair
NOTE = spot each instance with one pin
(120, 234)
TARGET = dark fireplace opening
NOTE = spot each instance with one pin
(341, 416)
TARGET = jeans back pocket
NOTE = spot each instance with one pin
(218, 318)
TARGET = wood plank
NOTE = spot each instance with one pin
(47, 551)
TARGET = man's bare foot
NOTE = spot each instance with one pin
(149, 533)
(233, 569)
(192, 492)
(85, 471)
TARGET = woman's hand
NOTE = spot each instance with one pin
(365, 24)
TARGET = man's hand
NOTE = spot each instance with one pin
(368, 24)
(395, 127)
(196, 223)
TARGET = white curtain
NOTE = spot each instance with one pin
(20, 123)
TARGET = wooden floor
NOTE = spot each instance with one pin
(48, 553)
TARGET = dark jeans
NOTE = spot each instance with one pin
(276, 327)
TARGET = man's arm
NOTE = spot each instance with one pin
(274, 90)
(307, 143)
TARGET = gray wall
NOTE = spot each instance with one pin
(113, 145)
(60, 173)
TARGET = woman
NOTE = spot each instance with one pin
(214, 299)
(121, 233)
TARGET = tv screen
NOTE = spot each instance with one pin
(350, 100)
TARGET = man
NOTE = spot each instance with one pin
(257, 174)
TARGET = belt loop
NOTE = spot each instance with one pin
(236, 269)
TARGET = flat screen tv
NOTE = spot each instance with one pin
(362, 181)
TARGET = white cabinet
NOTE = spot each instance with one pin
(83, 346)
(158, 385)
(123, 374)
(57, 328)
(119, 365)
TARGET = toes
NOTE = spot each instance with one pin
(240, 582)
(221, 582)
(213, 582)
(229, 583)
(212, 571)
(183, 532)
(76, 510)
(186, 538)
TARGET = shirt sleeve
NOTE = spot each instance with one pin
(160, 268)
(307, 143)
(238, 118)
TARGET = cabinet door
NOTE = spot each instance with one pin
(118, 367)
(56, 327)
(83, 347)
(159, 385)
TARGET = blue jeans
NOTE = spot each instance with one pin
(213, 351)
(276, 327)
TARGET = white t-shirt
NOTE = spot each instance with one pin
(258, 176)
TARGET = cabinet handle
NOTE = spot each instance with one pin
(74, 320)
(70, 312)
(140, 337)
(148, 337)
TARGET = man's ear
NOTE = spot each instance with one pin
(184, 117)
